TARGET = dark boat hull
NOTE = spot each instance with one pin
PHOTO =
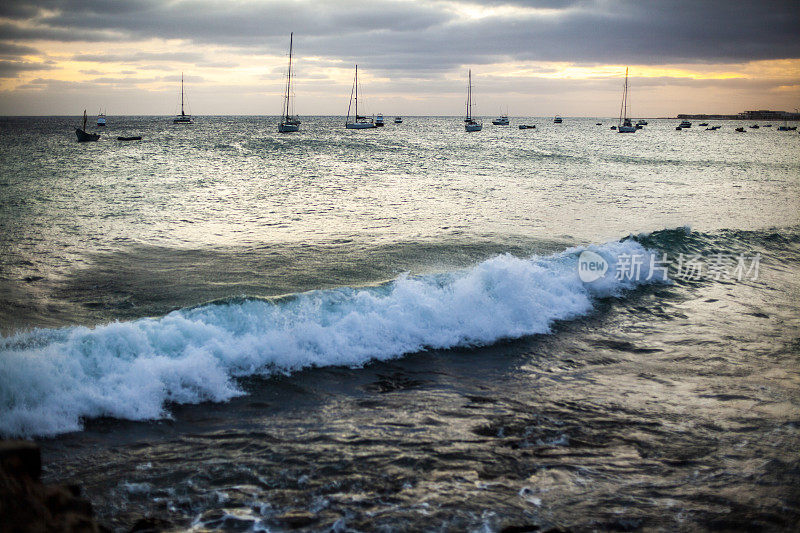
(135, 138)
(86, 137)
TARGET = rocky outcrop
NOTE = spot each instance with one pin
(28, 505)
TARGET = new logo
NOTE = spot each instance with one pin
(591, 266)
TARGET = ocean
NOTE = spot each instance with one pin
(407, 328)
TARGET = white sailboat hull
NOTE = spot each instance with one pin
(626, 129)
(359, 125)
(286, 127)
(473, 127)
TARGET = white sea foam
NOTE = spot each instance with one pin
(50, 380)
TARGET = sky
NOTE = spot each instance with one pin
(528, 58)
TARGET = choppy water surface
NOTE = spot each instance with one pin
(231, 329)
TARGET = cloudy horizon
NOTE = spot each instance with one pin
(566, 57)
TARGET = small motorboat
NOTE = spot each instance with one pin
(558, 120)
(101, 118)
(613, 127)
(526, 127)
(599, 124)
(678, 128)
(713, 128)
(767, 126)
(703, 124)
(740, 130)
(398, 120)
(686, 124)
(83, 135)
(379, 121)
(134, 138)
(641, 122)
(754, 127)
(502, 121)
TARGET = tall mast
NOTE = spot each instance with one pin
(356, 86)
(289, 78)
(623, 109)
(182, 113)
(469, 95)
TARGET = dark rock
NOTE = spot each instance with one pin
(20, 458)
(27, 505)
(520, 529)
(150, 524)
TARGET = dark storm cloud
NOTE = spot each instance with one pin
(11, 69)
(11, 50)
(414, 39)
(12, 31)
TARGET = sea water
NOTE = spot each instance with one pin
(221, 326)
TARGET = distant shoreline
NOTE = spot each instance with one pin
(544, 117)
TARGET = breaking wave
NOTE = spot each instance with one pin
(53, 379)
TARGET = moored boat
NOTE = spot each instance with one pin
(289, 123)
(183, 118)
(470, 124)
(624, 125)
(83, 135)
(360, 122)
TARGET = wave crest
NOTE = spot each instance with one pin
(51, 380)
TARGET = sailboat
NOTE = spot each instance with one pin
(289, 123)
(625, 125)
(101, 118)
(83, 136)
(183, 118)
(360, 122)
(469, 122)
